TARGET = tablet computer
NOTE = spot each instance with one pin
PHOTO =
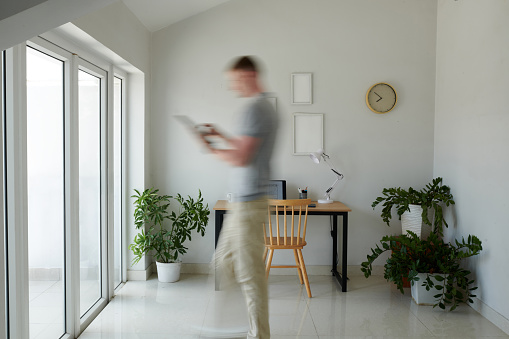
(213, 140)
(200, 129)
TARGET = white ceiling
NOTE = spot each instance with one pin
(157, 14)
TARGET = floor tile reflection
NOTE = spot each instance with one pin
(372, 308)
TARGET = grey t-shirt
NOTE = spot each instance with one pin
(258, 120)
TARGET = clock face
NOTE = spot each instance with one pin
(381, 98)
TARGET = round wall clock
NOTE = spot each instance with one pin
(381, 98)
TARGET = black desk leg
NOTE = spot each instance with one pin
(219, 216)
(344, 256)
(334, 236)
(341, 278)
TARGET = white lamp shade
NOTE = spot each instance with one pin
(316, 156)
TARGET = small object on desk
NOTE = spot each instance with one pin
(277, 189)
(303, 193)
(312, 205)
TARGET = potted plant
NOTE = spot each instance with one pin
(428, 263)
(418, 203)
(166, 243)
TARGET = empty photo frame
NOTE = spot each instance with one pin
(307, 133)
(302, 88)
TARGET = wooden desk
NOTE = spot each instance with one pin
(334, 209)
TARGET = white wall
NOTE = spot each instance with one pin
(348, 45)
(472, 133)
(9, 7)
(117, 28)
(41, 18)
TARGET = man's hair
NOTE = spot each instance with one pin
(244, 63)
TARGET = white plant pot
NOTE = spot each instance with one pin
(412, 221)
(419, 293)
(426, 229)
(168, 272)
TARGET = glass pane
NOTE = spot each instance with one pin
(90, 189)
(117, 181)
(45, 172)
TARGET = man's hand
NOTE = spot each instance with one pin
(241, 149)
(207, 131)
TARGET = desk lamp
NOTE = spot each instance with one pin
(316, 157)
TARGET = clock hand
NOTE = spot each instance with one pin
(378, 96)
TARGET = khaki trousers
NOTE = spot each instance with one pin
(239, 260)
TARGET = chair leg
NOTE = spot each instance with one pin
(265, 254)
(298, 266)
(304, 272)
(269, 263)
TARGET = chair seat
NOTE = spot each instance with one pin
(282, 243)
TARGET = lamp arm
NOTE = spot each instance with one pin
(325, 157)
(339, 177)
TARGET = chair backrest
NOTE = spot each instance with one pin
(287, 221)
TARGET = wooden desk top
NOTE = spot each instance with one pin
(336, 206)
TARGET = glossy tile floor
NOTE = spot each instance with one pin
(46, 306)
(372, 308)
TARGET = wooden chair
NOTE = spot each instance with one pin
(288, 234)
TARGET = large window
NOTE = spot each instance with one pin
(45, 194)
(90, 189)
(61, 235)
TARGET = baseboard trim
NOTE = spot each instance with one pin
(353, 270)
(141, 275)
(490, 314)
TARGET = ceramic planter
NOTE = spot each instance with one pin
(419, 293)
(412, 221)
(168, 272)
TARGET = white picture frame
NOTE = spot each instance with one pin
(302, 88)
(307, 133)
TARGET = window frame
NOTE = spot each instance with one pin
(14, 183)
(117, 73)
(15, 189)
(67, 37)
(88, 67)
(116, 68)
(71, 207)
(75, 324)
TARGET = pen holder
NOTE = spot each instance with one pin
(303, 195)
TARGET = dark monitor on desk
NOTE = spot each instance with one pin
(277, 189)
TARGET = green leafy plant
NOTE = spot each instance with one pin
(432, 197)
(166, 243)
(432, 256)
